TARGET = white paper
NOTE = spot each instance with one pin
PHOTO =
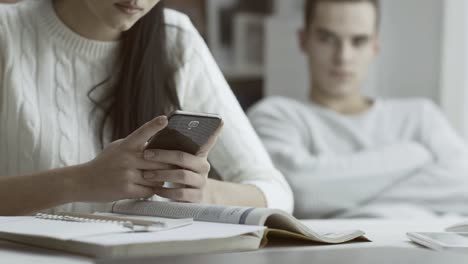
(168, 222)
(58, 229)
(196, 231)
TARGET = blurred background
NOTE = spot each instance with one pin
(423, 50)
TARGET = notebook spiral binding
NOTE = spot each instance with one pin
(127, 224)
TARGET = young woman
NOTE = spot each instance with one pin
(76, 75)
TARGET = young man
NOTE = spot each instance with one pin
(346, 155)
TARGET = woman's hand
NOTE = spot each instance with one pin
(190, 173)
(117, 173)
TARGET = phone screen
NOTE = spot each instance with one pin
(186, 132)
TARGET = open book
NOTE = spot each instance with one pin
(214, 229)
(278, 223)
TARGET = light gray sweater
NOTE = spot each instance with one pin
(402, 155)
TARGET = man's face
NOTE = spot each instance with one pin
(340, 43)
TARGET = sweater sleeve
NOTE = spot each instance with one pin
(327, 185)
(238, 156)
(441, 186)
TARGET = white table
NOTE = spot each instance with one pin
(388, 236)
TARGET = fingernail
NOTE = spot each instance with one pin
(148, 155)
(162, 120)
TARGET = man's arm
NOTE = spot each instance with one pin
(325, 185)
(441, 186)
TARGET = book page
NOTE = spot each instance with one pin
(285, 222)
(199, 212)
(196, 231)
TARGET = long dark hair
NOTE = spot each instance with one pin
(144, 86)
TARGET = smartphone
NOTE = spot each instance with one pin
(186, 131)
(441, 240)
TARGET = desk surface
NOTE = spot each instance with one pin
(388, 236)
(296, 255)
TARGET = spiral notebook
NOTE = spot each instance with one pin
(94, 238)
(72, 226)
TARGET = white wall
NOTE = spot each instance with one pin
(285, 66)
(409, 64)
(454, 80)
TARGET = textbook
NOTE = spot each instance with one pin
(214, 229)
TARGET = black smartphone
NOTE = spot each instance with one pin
(186, 131)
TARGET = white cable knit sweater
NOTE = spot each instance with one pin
(46, 71)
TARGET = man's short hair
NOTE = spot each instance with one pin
(311, 6)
